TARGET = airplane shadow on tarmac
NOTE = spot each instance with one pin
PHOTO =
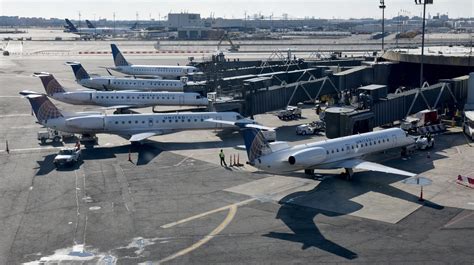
(299, 210)
(146, 153)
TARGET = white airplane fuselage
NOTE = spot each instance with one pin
(114, 83)
(164, 71)
(131, 98)
(130, 124)
(320, 155)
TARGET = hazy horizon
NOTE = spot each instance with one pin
(146, 9)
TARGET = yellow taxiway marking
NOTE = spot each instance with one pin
(216, 231)
(230, 216)
(207, 213)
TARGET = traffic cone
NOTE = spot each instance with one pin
(130, 156)
(230, 160)
(428, 155)
(421, 195)
(238, 160)
(7, 149)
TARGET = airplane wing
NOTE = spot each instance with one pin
(142, 136)
(241, 124)
(365, 165)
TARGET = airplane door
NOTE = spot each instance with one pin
(150, 122)
(394, 140)
(181, 100)
(348, 148)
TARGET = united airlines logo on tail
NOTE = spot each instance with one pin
(44, 109)
(81, 72)
(119, 60)
(51, 85)
(258, 146)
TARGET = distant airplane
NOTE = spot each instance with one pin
(164, 71)
(345, 152)
(122, 83)
(135, 127)
(92, 31)
(116, 99)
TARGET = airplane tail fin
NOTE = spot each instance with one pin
(255, 143)
(119, 60)
(79, 71)
(134, 26)
(70, 26)
(89, 24)
(43, 108)
(51, 85)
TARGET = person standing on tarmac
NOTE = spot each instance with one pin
(222, 157)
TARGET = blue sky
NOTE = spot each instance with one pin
(127, 9)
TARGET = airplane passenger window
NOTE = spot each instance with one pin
(202, 119)
(337, 149)
(116, 122)
(143, 121)
(352, 147)
(388, 140)
(327, 152)
(96, 96)
(195, 120)
(123, 122)
(169, 120)
(136, 122)
(332, 151)
(342, 149)
(176, 120)
(189, 120)
(129, 122)
(365, 144)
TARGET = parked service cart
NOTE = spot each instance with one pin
(311, 128)
(290, 113)
(53, 135)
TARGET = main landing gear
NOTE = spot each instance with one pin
(348, 173)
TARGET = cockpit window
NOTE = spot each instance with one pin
(239, 117)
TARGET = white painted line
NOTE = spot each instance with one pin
(207, 213)
(15, 115)
(184, 160)
(32, 149)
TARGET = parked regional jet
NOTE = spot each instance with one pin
(345, 152)
(164, 71)
(93, 31)
(116, 99)
(122, 83)
(136, 127)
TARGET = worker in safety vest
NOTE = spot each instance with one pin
(222, 157)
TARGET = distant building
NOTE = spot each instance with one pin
(184, 20)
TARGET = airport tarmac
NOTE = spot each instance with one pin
(174, 203)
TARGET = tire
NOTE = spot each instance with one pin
(303, 133)
(56, 139)
(43, 141)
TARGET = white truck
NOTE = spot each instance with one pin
(53, 135)
(67, 157)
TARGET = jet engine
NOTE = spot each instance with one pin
(94, 123)
(308, 157)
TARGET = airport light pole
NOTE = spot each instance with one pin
(382, 6)
(424, 3)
